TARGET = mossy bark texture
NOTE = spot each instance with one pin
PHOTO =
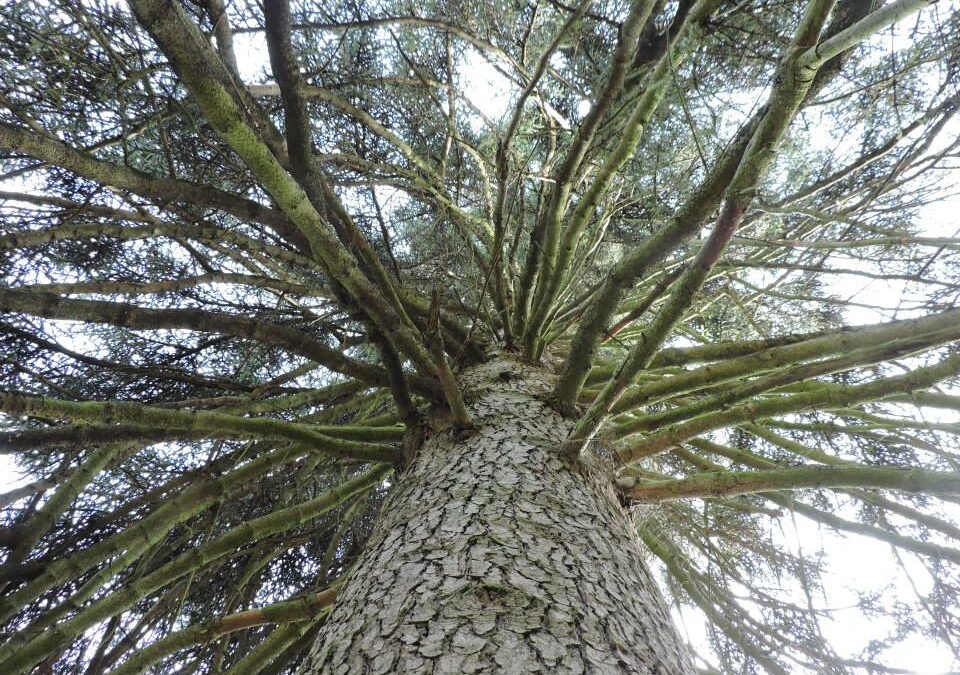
(493, 554)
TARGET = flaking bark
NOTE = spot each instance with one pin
(495, 555)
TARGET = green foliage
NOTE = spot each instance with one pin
(229, 254)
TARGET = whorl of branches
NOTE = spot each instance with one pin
(246, 251)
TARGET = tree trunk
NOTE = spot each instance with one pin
(493, 554)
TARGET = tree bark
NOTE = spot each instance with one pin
(493, 554)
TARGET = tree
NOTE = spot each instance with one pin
(313, 363)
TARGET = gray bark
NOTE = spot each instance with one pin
(493, 554)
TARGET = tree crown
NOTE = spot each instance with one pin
(247, 250)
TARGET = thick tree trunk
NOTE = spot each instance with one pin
(495, 555)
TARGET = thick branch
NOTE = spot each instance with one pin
(298, 609)
(186, 49)
(821, 397)
(147, 185)
(730, 483)
(330, 440)
(21, 653)
(119, 314)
